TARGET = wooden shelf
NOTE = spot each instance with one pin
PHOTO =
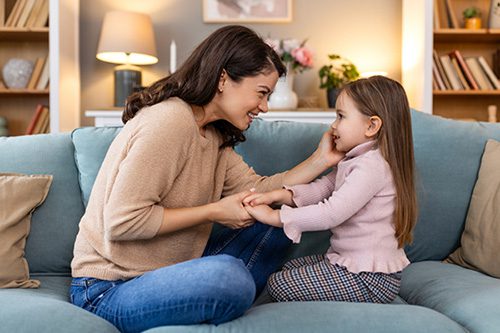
(24, 92)
(466, 92)
(466, 35)
(24, 34)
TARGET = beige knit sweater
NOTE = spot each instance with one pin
(158, 160)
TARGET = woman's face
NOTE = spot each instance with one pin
(239, 102)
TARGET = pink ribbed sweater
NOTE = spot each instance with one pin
(356, 202)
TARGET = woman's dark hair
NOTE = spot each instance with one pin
(236, 49)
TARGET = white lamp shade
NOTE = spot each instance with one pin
(127, 38)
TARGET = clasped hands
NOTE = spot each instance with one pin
(243, 209)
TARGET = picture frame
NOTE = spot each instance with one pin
(247, 11)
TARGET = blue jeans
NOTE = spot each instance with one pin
(216, 288)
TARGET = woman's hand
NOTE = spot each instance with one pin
(327, 150)
(282, 196)
(231, 213)
(265, 214)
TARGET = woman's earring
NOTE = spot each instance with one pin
(220, 89)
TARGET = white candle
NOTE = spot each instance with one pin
(173, 56)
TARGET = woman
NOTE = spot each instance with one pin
(142, 258)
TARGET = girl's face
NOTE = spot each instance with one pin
(350, 126)
(240, 102)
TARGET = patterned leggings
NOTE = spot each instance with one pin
(314, 278)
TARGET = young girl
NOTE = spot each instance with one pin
(368, 202)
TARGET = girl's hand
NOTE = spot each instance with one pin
(281, 196)
(265, 214)
(327, 150)
(230, 212)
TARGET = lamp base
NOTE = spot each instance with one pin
(127, 77)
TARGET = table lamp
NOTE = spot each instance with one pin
(127, 38)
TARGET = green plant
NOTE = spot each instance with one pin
(337, 73)
(471, 12)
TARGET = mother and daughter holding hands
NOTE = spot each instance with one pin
(146, 255)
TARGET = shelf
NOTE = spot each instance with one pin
(24, 34)
(24, 92)
(466, 92)
(466, 35)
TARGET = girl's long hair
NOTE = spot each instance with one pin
(236, 49)
(386, 98)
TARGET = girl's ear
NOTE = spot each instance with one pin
(375, 123)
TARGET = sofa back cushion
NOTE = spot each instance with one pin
(91, 145)
(448, 154)
(49, 247)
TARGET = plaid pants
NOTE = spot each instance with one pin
(314, 278)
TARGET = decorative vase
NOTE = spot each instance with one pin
(473, 23)
(332, 94)
(283, 96)
(17, 72)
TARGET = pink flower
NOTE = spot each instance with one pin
(304, 56)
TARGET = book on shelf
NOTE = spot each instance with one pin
(441, 70)
(494, 17)
(455, 54)
(496, 63)
(441, 15)
(461, 77)
(34, 119)
(43, 15)
(34, 13)
(436, 22)
(489, 73)
(478, 73)
(2, 13)
(451, 73)
(435, 75)
(23, 17)
(452, 18)
(14, 13)
(35, 74)
(43, 81)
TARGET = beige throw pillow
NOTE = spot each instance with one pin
(19, 196)
(480, 243)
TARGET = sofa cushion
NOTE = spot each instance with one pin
(49, 247)
(448, 154)
(19, 196)
(479, 245)
(300, 317)
(466, 296)
(47, 310)
(91, 145)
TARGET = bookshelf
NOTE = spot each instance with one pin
(30, 42)
(460, 104)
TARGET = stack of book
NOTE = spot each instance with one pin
(454, 72)
(25, 14)
(40, 75)
(40, 122)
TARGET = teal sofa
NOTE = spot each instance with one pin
(434, 297)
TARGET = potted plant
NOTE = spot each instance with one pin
(335, 74)
(472, 18)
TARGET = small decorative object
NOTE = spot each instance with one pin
(3, 127)
(494, 22)
(297, 58)
(472, 18)
(238, 11)
(17, 73)
(334, 75)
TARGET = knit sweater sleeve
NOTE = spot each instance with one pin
(363, 182)
(156, 150)
(314, 192)
(241, 177)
